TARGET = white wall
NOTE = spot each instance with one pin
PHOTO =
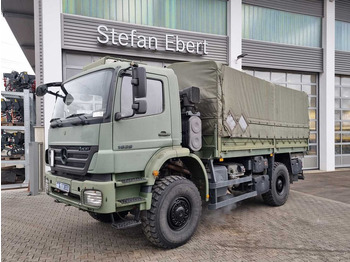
(234, 32)
(326, 93)
(52, 54)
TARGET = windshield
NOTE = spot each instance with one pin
(90, 95)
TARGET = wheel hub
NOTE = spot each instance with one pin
(179, 213)
(280, 184)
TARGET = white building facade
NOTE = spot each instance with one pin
(301, 44)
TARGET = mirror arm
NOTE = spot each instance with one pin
(118, 116)
(64, 89)
(55, 94)
(123, 71)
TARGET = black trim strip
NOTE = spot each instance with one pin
(146, 189)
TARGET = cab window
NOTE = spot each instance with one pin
(154, 97)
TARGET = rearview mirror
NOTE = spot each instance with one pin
(41, 90)
(140, 106)
(139, 82)
(68, 99)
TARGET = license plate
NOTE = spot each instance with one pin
(62, 186)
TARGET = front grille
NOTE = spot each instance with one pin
(73, 159)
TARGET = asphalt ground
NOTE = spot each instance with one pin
(314, 225)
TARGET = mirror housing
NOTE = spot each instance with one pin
(140, 106)
(41, 90)
(68, 99)
(139, 82)
(44, 89)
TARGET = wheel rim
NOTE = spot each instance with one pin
(280, 184)
(179, 213)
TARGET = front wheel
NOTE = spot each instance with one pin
(174, 214)
(279, 190)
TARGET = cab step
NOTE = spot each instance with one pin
(126, 224)
(130, 181)
(130, 201)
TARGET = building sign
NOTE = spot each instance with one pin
(173, 43)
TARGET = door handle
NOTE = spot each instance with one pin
(164, 133)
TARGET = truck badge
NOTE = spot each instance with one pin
(64, 156)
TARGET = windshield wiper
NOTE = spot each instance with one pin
(54, 119)
(74, 115)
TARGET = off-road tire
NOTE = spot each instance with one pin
(278, 195)
(106, 218)
(175, 212)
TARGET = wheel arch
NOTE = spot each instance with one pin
(193, 162)
(284, 158)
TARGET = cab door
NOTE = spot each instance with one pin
(136, 138)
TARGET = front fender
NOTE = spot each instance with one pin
(164, 154)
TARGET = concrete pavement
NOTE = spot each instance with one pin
(307, 228)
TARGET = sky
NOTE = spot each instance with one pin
(12, 57)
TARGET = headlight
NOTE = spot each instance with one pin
(93, 198)
(47, 186)
(51, 157)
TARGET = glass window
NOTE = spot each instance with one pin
(294, 78)
(345, 126)
(312, 125)
(345, 91)
(345, 81)
(206, 16)
(309, 79)
(337, 150)
(337, 115)
(312, 114)
(307, 89)
(337, 91)
(90, 95)
(342, 120)
(337, 126)
(263, 75)
(346, 149)
(337, 103)
(313, 90)
(337, 138)
(312, 138)
(342, 36)
(278, 77)
(265, 24)
(345, 103)
(337, 80)
(345, 137)
(312, 150)
(345, 115)
(154, 97)
(312, 101)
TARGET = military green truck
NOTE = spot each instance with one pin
(134, 144)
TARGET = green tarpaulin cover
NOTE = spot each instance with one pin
(241, 105)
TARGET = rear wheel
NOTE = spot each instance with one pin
(279, 190)
(174, 214)
(106, 218)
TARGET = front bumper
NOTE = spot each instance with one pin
(75, 196)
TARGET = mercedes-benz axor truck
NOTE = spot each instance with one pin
(135, 144)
